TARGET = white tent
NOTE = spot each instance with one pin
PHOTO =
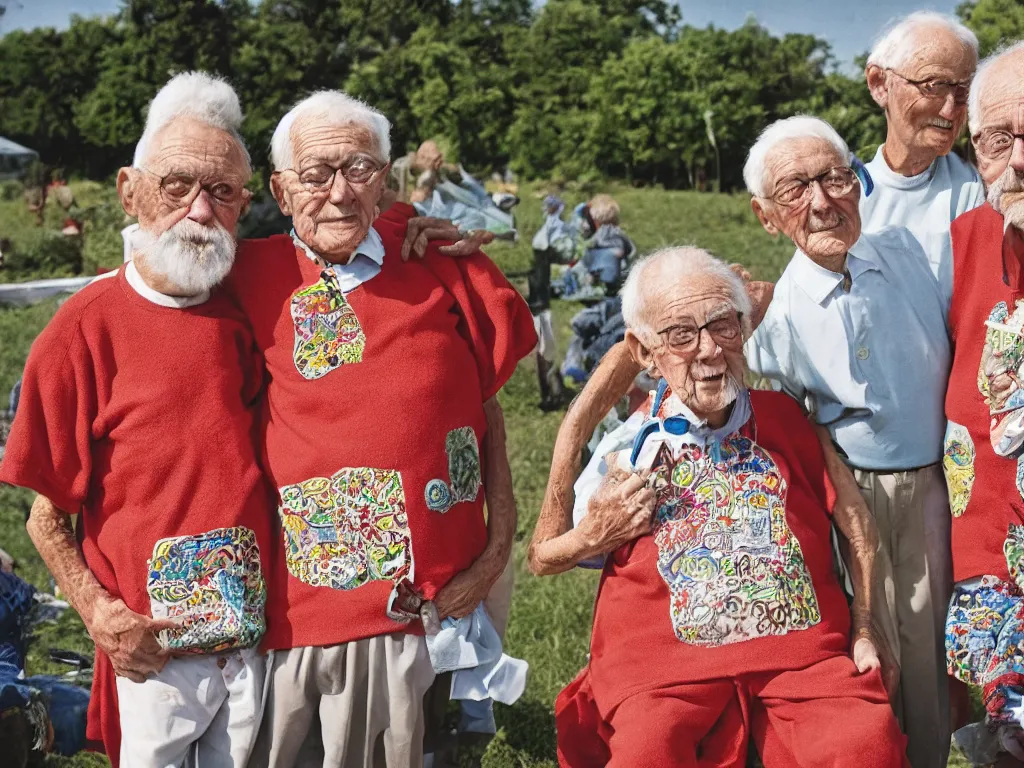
(14, 159)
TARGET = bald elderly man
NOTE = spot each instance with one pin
(919, 73)
(719, 619)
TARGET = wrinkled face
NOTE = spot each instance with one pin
(332, 218)
(188, 197)
(706, 375)
(1001, 110)
(922, 122)
(820, 223)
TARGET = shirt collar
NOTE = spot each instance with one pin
(820, 283)
(739, 416)
(372, 247)
(140, 286)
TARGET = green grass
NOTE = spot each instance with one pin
(550, 621)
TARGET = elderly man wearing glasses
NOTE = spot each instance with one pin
(857, 332)
(383, 436)
(919, 73)
(719, 619)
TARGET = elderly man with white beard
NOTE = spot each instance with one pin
(919, 73)
(137, 414)
(984, 447)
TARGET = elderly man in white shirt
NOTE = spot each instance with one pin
(919, 72)
(857, 331)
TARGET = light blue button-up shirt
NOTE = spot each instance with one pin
(871, 364)
(364, 264)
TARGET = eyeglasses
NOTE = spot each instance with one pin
(938, 89)
(685, 337)
(358, 170)
(993, 143)
(835, 182)
(180, 190)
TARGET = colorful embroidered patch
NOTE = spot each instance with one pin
(463, 471)
(327, 331)
(958, 466)
(999, 376)
(347, 530)
(734, 569)
(213, 584)
(984, 631)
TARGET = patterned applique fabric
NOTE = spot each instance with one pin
(348, 529)
(999, 374)
(213, 584)
(327, 331)
(734, 569)
(958, 466)
(463, 471)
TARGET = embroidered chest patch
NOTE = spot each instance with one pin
(958, 466)
(213, 584)
(327, 331)
(463, 471)
(734, 569)
(348, 529)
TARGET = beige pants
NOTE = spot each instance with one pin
(368, 699)
(911, 511)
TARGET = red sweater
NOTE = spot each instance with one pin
(984, 398)
(139, 417)
(373, 423)
(785, 609)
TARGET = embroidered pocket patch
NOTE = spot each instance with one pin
(327, 331)
(348, 529)
(463, 472)
(958, 466)
(211, 583)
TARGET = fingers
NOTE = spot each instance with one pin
(468, 244)
(740, 271)
(631, 485)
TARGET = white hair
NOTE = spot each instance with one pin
(895, 46)
(203, 97)
(335, 107)
(685, 261)
(796, 127)
(978, 84)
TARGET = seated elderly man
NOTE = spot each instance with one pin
(719, 617)
(382, 434)
(137, 414)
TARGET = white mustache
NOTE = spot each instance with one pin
(824, 223)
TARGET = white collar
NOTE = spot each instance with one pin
(372, 247)
(126, 235)
(161, 299)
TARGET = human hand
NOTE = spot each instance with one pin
(869, 651)
(422, 229)
(467, 589)
(128, 639)
(621, 510)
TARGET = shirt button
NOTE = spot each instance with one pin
(863, 353)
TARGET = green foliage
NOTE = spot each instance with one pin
(995, 22)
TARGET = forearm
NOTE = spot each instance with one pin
(501, 502)
(53, 535)
(854, 521)
(563, 552)
(610, 381)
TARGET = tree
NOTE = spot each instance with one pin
(995, 22)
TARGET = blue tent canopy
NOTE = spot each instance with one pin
(15, 159)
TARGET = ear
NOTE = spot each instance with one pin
(246, 200)
(641, 353)
(382, 181)
(126, 180)
(878, 84)
(757, 206)
(280, 195)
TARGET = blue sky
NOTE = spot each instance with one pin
(849, 25)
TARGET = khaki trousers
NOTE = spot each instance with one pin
(911, 511)
(367, 699)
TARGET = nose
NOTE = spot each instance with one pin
(341, 190)
(1017, 155)
(707, 347)
(201, 210)
(950, 108)
(820, 201)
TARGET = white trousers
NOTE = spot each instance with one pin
(204, 709)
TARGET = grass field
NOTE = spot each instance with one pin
(550, 621)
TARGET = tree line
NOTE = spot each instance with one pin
(570, 89)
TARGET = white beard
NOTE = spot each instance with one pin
(1013, 212)
(192, 257)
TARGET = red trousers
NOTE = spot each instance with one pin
(824, 716)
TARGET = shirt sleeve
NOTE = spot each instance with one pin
(49, 449)
(765, 360)
(494, 319)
